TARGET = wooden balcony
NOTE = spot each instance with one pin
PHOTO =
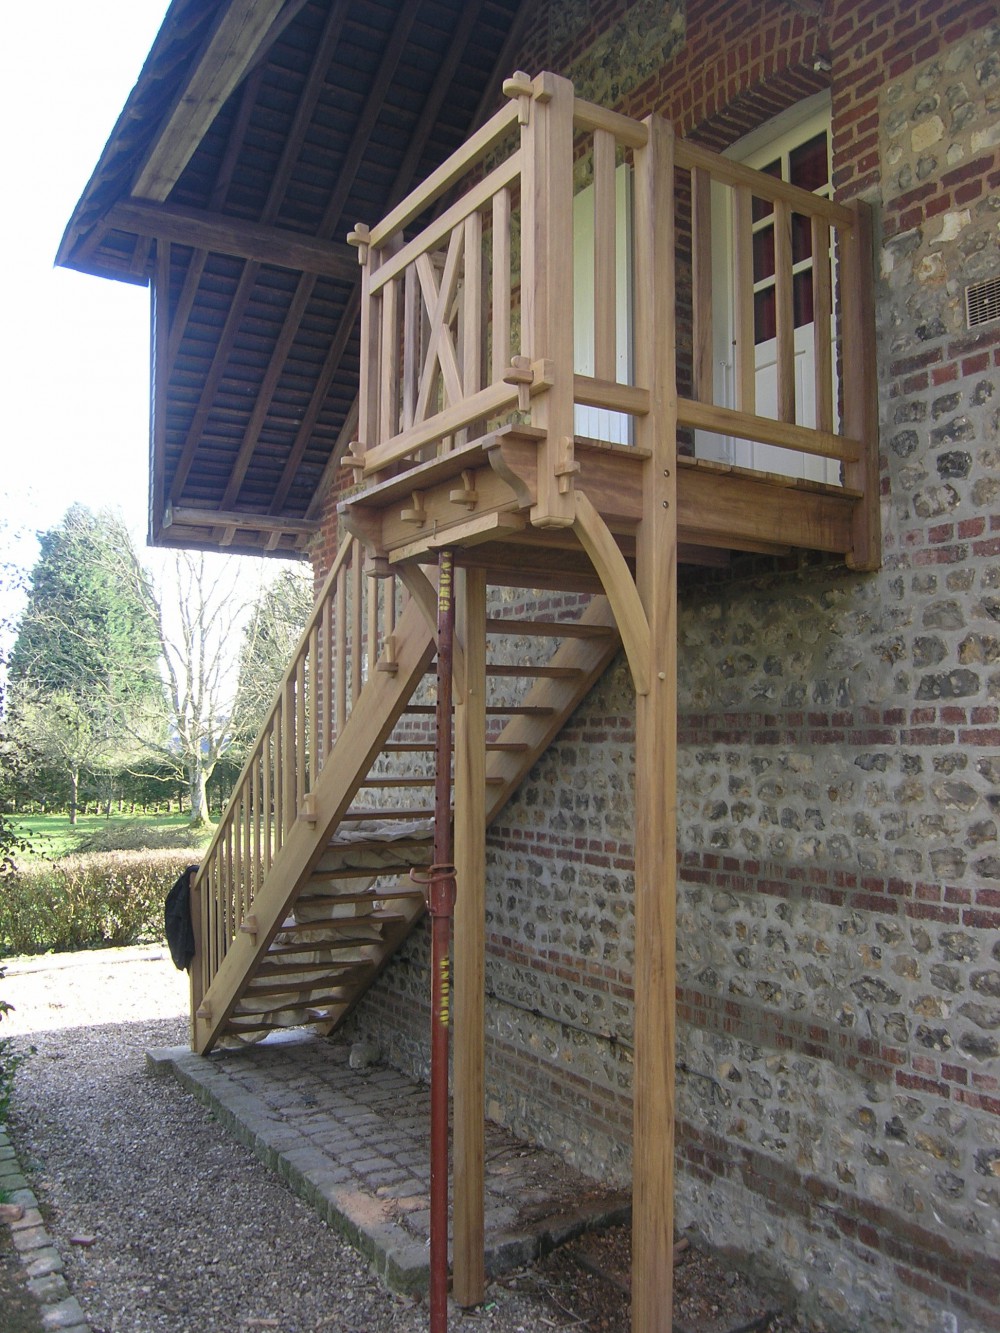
(540, 316)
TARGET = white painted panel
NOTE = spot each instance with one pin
(597, 423)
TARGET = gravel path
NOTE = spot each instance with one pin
(186, 1231)
(191, 1231)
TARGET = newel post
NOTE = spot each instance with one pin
(547, 282)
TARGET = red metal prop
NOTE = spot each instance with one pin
(440, 903)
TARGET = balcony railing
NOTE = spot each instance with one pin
(470, 284)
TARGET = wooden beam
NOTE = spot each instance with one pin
(232, 236)
(656, 748)
(159, 357)
(861, 386)
(188, 516)
(223, 61)
(469, 1284)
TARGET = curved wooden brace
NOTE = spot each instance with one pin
(424, 593)
(614, 573)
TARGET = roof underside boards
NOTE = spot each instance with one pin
(328, 111)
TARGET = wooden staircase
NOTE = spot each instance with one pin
(304, 894)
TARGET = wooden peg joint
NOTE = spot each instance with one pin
(519, 372)
(249, 927)
(416, 514)
(567, 466)
(467, 495)
(387, 662)
(360, 238)
(355, 458)
(521, 86)
(308, 811)
(204, 1011)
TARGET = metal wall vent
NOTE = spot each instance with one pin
(982, 302)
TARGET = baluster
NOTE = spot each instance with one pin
(746, 366)
(389, 374)
(703, 378)
(411, 343)
(266, 793)
(341, 657)
(473, 332)
(258, 873)
(301, 733)
(501, 283)
(279, 774)
(312, 712)
(784, 310)
(326, 683)
(372, 619)
(236, 828)
(605, 303)
(357, 623)
(822, 323)
(288, 774)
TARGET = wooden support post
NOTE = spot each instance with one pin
(656, 749)
(198, 969)
(468, 1261)
(860, 391)
(547, 284)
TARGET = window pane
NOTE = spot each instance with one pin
(808, 165)
(802, 298)
(801, 238)
(764, 323)
(763, 254)
(763, 208)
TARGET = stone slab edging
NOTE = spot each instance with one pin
(39, 1257)
(400, 1260)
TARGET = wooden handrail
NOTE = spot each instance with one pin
(310, 707)
(459, 317)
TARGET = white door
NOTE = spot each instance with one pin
(796, 147)
(594, 422)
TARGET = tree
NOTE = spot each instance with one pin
(84, 666)
(270, 637)
(198, 622)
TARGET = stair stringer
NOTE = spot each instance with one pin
(591, 658)
(381, 703)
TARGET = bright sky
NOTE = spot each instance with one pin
(74, 369)
(74, 362)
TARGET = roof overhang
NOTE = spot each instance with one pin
(259, 132)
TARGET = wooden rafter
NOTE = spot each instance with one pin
(232, 236)
(245, 286)
(222, 63)
(196, 267)
(404, 181)
(331, 219)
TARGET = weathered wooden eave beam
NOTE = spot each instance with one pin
(231, 236)
(188, 516)
(223, 62)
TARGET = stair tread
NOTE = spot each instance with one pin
(314, 946)
(334, 922)
(346, 978)
(547, 629)
(277, 968)
(492, 710)
(428, 747)
(542, 672)
(356, 816)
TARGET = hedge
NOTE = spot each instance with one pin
(101, 900)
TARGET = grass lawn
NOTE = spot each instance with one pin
(52, 836)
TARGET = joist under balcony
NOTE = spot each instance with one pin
(478, 499)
